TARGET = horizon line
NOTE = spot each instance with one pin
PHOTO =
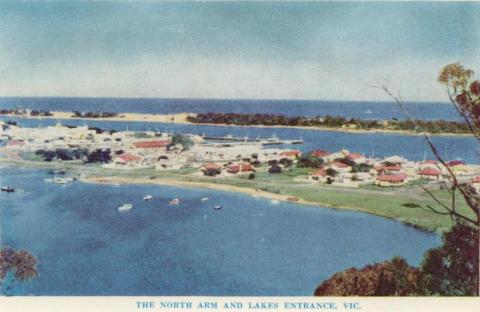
(220, 99)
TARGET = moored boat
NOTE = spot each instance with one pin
(174, 202)
(8, 189)
(59, 181)
(147, 197)
(217, 207)
(125, 207)
(204, 199)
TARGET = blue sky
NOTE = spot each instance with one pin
(275, 50)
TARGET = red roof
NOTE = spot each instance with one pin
(127, 157)
(392, 177)
(355, 155)
(476, 179)
(454, 163)
(340, 164)
(320, 153)
(240, 167)
(393, 168)
(151, 144)
(291, 153)
(430, 172)
(319, 173)
(212, 166)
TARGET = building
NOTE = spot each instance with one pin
(430, 173)
(293, 154)
(238, 168)
(391, 179)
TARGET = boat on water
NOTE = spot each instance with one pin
(204, 199)
(368, 111)
(60, 181)
(8, 189)
(48, 180)
(174, 202)
(217, 207)
(125, 207)
(275, 202)
(147, 197)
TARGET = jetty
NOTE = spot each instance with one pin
(269, 141)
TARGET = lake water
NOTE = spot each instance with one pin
(250, 247)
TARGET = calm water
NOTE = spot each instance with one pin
(250, 247)
(364, 110)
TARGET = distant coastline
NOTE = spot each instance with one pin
(193, 119)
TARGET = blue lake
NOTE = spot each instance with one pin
(250, 247)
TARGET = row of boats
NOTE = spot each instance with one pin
(173, 202)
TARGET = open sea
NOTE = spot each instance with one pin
(250, 247)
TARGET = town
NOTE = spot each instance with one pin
(221, 157)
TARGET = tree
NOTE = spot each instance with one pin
(452, 269)
(310, 161)
(181, 139)
(389, 278)
(275, 169)
(21, 264)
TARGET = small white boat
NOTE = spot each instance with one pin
(174, 202)
(217, 207)
(275, 202)
(204, 199)
(48, 180)
(147, 197)
(368, 111)
(60, 181)
(125, 207)
(7, 189)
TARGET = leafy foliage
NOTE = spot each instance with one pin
(389, 278)
(21, 262)
(452, 269)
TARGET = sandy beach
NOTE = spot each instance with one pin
(181, 118)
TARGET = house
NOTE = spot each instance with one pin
(293, 154)
(430, 173)
(357, 158)
(127, 159)
(148, 145)
(391, 179)
(236, 168)
(395, 160)
(319, 175)
(320, 153)
(340, 167)
(211, 169)
(392, 168)
(458, 167)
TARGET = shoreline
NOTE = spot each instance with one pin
(181, 118)
(236, 189)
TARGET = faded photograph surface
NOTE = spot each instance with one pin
(239, 148)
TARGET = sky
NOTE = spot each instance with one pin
(254, 50)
